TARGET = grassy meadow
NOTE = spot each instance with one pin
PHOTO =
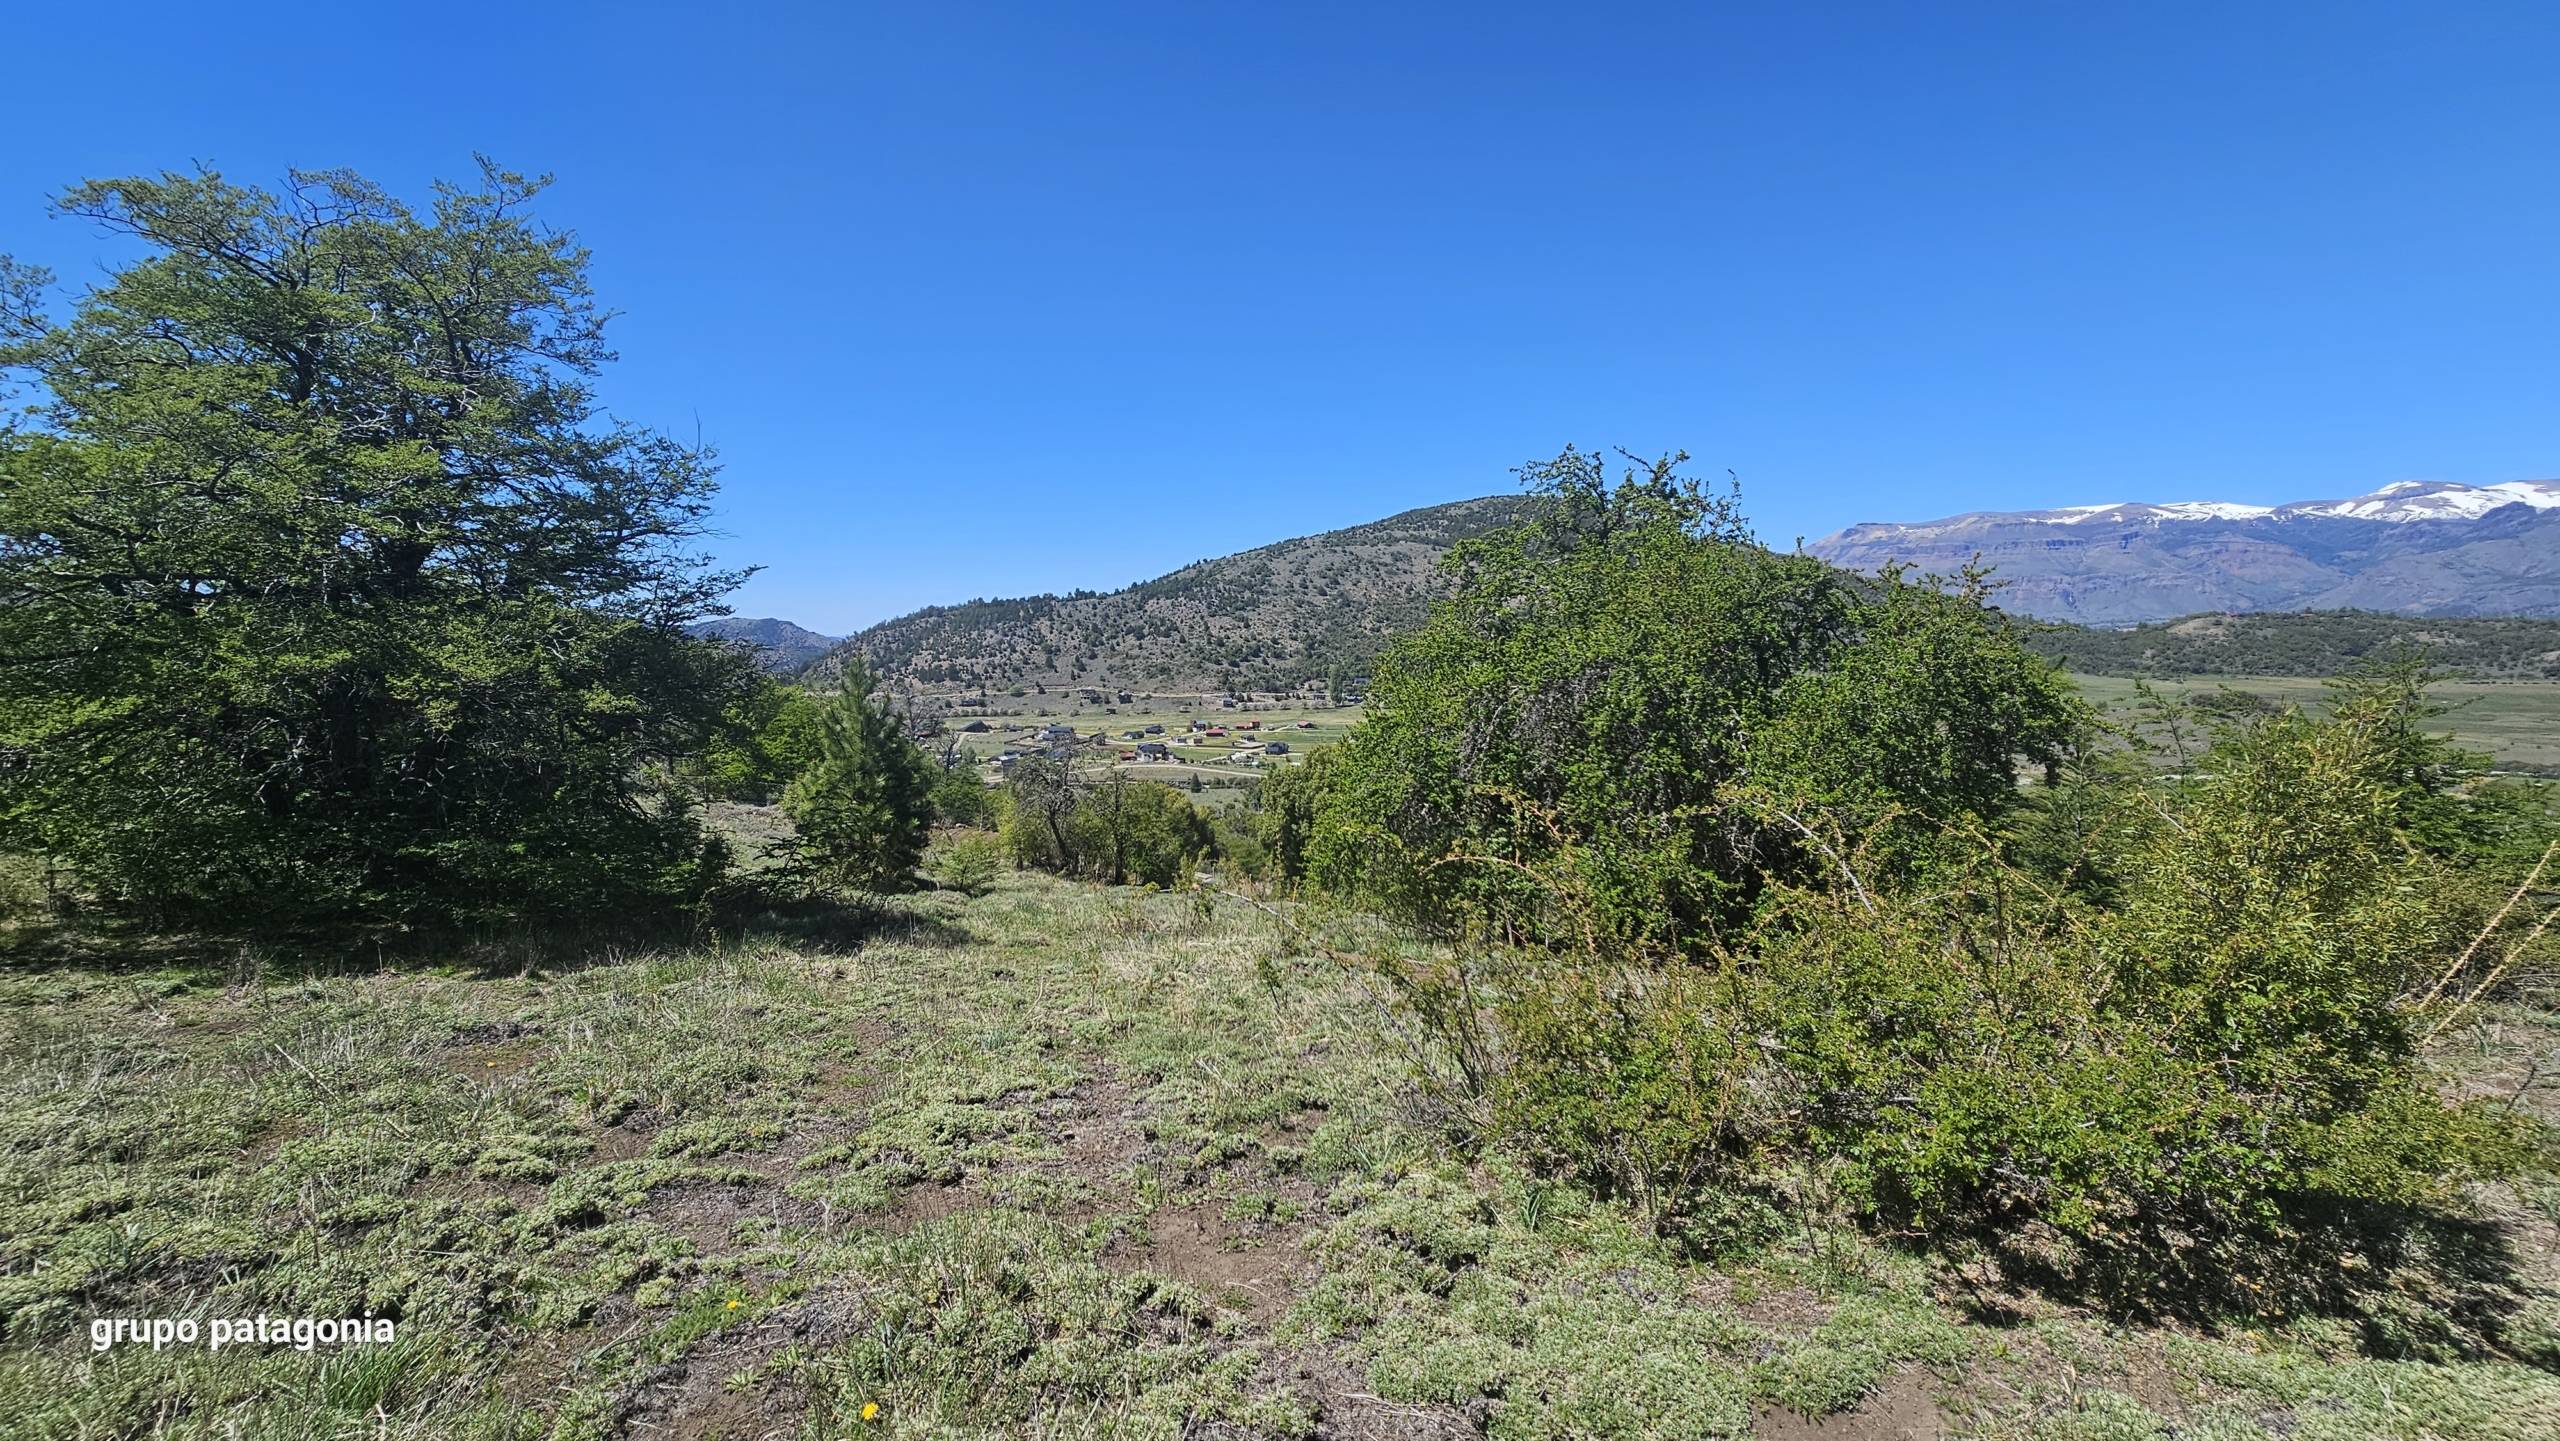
(1053, 1161)
(2516, 722)
(1223, 765)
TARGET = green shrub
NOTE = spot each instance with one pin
(23, 894)
(1282, 811)
(772, 736)
(1616, 670)
(959, 798)
(1644, 1079)
(1731, 854)
(968, 862)
(2221, 1053)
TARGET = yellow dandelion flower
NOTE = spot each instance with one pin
(870, 1410)
(733, 1303)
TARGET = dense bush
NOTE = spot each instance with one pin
(1628, 664)
(959, 797)
(1280, 814)
(770, 736)
(1825, 947)
(968, 862)
(2222, 1049)
(1115, 830)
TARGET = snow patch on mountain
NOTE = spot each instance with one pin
(2438, 500)
(2407, 500)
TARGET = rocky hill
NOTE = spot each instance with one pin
(2417, 548)
(1266, 619)
(780, 646)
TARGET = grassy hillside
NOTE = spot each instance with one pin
(1057, 1161)
(2306, 643)
(1265, 619)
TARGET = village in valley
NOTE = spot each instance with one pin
(1209, 744)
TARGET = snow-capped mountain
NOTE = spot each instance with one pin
(2417, 547)
(2408, 500)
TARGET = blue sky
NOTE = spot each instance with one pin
(999, 298)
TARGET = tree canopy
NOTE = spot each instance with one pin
(326, 589)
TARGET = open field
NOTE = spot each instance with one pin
(1224, 765)
(1057, 1161)
(2516, 722)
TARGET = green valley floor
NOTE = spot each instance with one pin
(1055, 1161)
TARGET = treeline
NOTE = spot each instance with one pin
(2305, 643)
(1265, 619)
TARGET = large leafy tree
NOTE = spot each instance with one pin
(326, 592)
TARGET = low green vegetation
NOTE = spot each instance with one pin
(1058, 1159)
(2516, 724)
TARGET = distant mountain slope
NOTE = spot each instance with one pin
(2417, 548)
(1265, 619)
(2318, 643)
(781, 647)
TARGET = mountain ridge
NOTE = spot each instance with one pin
(780, 646)
(1307, 608)
(2420, 548)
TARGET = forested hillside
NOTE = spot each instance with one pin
(1264, 619)
(2307, 643)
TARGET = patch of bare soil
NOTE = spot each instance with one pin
(622, 1142)
(1905, 1408)
(547, 1365)
(1794, 1310)
(1215, 1256)
(928, 1201)
(1096, 1130)
(693, 1396)
(1346, 1410)
(707, 1214)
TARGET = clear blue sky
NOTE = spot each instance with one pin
(996, 298)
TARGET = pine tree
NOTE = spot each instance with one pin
(863, 805)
